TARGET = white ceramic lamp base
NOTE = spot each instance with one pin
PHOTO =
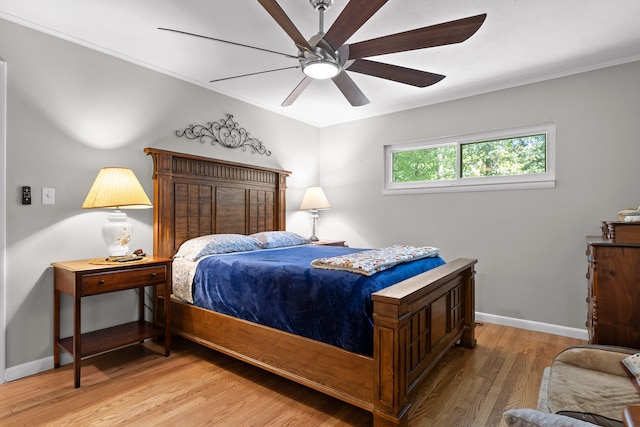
(117, 233)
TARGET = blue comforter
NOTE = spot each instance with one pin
(279, 288)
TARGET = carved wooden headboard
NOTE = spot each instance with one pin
(194, 196)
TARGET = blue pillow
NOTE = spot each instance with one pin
(279, 239)
(211, 244)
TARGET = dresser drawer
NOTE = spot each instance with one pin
(99, 283)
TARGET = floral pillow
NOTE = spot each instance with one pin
(211, 244)
(279, 239)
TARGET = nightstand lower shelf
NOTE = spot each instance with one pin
(94, 343)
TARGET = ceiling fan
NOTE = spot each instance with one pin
(326, 55)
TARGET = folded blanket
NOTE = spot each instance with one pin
(372, 261)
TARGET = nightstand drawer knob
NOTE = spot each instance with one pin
(154, 275)
(101, 282)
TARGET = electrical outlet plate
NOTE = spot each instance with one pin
(48, 196)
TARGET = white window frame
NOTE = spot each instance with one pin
(490, 183)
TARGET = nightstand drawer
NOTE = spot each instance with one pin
(99, 283)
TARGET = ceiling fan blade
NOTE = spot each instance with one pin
(253, 74)
(287, 25)
(396, 73)
(352, 17)
(297, 91)
(227, 41)
(436, 35)
(349, 89)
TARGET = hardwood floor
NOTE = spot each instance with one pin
(197, 386)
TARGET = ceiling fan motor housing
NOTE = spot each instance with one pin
(321, 4)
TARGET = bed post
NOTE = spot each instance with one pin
(390, 400)
(162, 238)
(163, 244)
(281, 205)
(468, 338)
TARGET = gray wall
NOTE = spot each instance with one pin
(72, 111)
(530, 244)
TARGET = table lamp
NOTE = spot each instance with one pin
(117, 188)
(313, 201)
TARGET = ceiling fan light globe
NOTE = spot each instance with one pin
(321, 70)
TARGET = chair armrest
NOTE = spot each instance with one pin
(596, 357)
(532, 418)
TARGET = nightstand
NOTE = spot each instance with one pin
(330, 242)
(90, 277)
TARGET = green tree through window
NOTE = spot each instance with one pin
(511, 156)
(524, 157)
(428, 164)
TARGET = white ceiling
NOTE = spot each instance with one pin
(521, 41)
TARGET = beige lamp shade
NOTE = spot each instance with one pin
(117, 188)
(314, 199)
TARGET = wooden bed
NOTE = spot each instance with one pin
(415, 321)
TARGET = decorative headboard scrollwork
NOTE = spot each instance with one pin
(225, 132)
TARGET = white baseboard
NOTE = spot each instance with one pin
(31, 368)
(531, 325)
(35, 367)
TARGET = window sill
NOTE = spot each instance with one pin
(458, 188)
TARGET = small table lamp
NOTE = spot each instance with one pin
(313, 201)
(117, 188)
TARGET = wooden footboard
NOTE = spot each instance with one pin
(416, 322)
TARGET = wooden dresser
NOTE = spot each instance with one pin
(614, 285)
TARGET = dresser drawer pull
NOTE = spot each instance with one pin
(154, 275)
(101, 282)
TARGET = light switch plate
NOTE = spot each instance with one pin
(26, 195)
(48, 196)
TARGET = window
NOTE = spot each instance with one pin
(516, 158)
